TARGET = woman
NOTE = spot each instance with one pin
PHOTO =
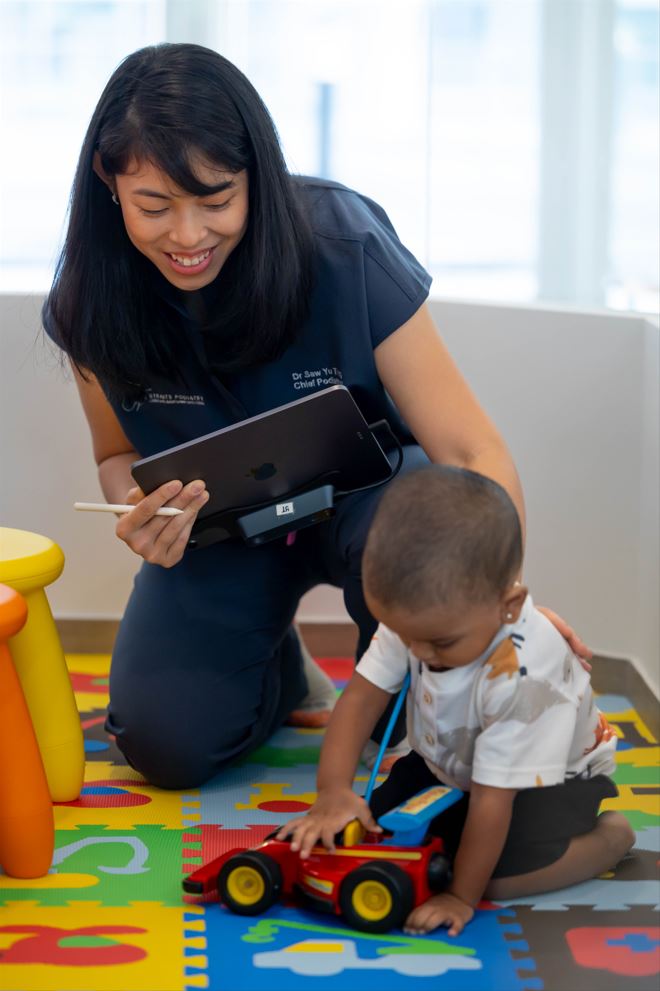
(198, 282)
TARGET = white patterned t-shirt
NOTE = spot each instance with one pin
(519, 716)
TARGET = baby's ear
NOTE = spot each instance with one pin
(512, 602)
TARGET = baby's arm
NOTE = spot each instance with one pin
(482, 842)
(354, 717)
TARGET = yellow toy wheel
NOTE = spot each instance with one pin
(246, 885)
(376, 897)
(372, 900)
(249, 883)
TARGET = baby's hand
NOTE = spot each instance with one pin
(329, 814)
(440, 910)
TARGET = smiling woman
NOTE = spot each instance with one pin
(187, 237)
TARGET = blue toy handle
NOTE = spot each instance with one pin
(386, 735)
(410, 820)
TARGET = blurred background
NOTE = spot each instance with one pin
(514, 143)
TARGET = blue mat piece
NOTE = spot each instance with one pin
(648, 839)
(601, 894)
(288, 950)
(614, 703)
(636, 942)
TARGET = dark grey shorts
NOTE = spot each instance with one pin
(543, 822)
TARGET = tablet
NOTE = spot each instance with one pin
(317, 440)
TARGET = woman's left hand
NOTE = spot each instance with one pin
(580, 649)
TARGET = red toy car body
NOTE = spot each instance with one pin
(374, 883)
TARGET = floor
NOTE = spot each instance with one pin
(111, 915)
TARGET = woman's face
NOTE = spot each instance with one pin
(188, 238)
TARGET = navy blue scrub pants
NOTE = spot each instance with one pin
(206, 664)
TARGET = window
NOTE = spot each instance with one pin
(55, 59)
(484, 148)
(632, 275)
(514, 143)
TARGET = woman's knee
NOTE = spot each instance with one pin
(182, 757)
(181, 726)
(180, 729)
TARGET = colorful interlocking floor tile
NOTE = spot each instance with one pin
(111, 914)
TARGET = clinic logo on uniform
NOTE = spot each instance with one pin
(164, 399)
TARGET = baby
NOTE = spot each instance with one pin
(498, 705)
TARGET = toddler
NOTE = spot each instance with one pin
(498, 705)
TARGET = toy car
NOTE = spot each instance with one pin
(373, 880)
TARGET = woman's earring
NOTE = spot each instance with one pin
(509, 616)
(114, 199)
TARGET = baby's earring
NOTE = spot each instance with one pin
(509, 616)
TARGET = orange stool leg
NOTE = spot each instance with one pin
(28, 563)
(27, 832)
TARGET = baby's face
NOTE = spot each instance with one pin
(444, 636)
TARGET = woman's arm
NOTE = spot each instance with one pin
(437, 404)
(113, 452)
(159, 540)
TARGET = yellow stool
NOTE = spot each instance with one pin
(29, 562)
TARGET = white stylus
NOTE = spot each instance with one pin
(113, 507)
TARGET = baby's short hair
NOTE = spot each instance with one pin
(440, 534)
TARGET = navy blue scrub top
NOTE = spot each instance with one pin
(367, 284)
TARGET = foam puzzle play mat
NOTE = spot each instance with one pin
(112, 916)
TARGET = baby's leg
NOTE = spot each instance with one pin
(587, 856)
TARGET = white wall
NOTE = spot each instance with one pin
(575, 395)
(46, 464)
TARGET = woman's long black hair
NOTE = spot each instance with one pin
(169, 105)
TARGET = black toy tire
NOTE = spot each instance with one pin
(249, 883)
(376, 897)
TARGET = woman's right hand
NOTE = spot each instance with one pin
(161, 539)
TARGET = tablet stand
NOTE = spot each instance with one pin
(281, 518)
